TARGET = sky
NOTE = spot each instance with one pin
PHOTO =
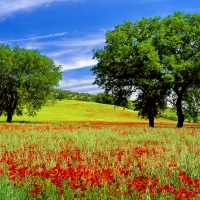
(68, 30)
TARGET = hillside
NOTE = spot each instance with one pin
(72, 110)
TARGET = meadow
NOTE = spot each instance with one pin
(109, 158)
(76, 111)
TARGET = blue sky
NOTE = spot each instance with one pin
(68, 30)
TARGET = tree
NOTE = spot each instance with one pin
(149, 102)
(104, 98)
(60, 94)
(27, 80)
(179, 48)
(153, 56)
(191, 104)
(130, 62)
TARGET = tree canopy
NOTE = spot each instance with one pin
(130, 62)
(179, 46)
(151, 57)
(27, 79)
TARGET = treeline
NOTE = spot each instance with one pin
(98, 98)
(69, 95)
(170, 112)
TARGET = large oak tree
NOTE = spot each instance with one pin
(130, 63)
(179, 47)
(153, 57)
(27, 79)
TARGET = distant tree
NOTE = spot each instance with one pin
(27, 80)
(191, 104)
(130, 62)
(178, 45)
(61, 95)
(69, 95)
(104, 98)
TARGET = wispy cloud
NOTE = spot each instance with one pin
(10, 6)
(77, 82)
(66, 49)
(193, 9)
(70, 52)
(77, 63)
(80, 85)
(78, 54)
(35, 38)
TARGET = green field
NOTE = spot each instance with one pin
(72, 110)
(68, 151)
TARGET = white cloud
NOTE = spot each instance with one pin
(10, 6)
(70, 51)
(193, 10)
(80, 63)
(85, 84)
(76, 82)
(85, 87)
(35, 38)
(82, 41)
(94, 91)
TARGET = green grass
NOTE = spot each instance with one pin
(72, 110)
(170, 114)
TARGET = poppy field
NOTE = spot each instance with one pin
(99, 162)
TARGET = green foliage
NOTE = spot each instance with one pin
(179, 47)
(169, 113)
(27, 81)
(104, 98)
(153, 57)
(69, 95)
(130, 62)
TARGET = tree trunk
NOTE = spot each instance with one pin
(11, 105)
(151, 121)
(9, 118)
(179, 111)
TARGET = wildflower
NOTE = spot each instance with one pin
(31, 191)
(82, 195)
(37, 190)
(75, 196)
(61, 192)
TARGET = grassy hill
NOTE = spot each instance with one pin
(72, 110)
(170, 114)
